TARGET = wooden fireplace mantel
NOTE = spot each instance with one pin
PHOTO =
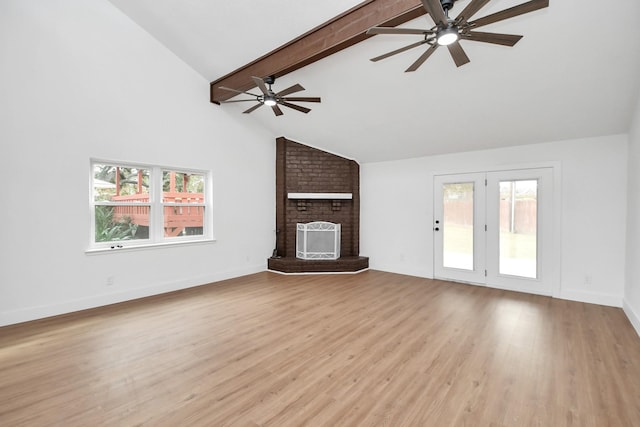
(320, 196)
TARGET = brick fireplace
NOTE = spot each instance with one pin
(313, 185)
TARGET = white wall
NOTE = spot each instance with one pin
(593, 211)
(78, 79)
(632, 287)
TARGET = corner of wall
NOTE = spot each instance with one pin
(631, 303)
(600, 298)
(633, 317)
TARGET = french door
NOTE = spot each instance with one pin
(459, 234)
(495, 229)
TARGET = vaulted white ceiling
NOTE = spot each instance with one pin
(576, 73)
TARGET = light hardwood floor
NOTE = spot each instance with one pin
(372, 349)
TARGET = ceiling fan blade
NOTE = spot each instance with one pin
(235, 90)
(527, 7)
(471, 9)
(276, 110)
(436, 11)
(255, 107)
(260, 83)
(237, 100)
(458, 54)
(402, 49)
(422, 58)
(495, 38)
(302, 99)
(295, 107)
(390, 30)
(293, 89)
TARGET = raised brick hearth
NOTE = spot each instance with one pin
(307, 170)
(343, 264)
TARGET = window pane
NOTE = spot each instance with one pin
(124, 197)
(183, 221)
(120, 184)
(518, 228)
(117, 223)
(457, 226)
(181, 187)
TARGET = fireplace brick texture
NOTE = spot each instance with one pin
(303, 169)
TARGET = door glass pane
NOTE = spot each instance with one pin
(457, 227)
(519, 228)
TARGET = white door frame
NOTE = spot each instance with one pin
(477, 274)
(554, 268)
(542, 283)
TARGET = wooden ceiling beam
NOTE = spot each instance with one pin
(339, 33)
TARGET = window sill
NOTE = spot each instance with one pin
(105, 250)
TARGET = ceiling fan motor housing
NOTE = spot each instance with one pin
(447, 4)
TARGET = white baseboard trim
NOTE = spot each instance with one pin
(591, 297)
(403, 269)
(577, 295)
(43, 311)
(633, 317)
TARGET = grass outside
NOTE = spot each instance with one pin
(517, 251)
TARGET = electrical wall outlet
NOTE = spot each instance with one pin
(111, 280)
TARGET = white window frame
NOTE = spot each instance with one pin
(156, 209)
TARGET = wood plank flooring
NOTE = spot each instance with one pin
(372, 349)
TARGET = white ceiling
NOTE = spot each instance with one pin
(576, 73)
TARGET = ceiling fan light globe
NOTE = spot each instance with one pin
(270, 102)
(447, 36)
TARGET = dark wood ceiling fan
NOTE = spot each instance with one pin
(273, 99)
(448, 32)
